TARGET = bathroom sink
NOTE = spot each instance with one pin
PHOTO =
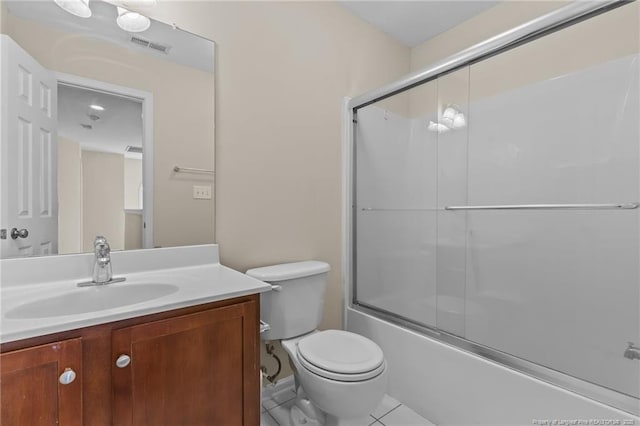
(91, 299)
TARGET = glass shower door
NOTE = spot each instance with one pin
(396, 157)
(498, 204)
(557, 286)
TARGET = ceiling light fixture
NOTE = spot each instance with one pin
(96, 107)
(75, 7)
(132, 22)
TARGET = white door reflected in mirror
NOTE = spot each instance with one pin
(29, 155)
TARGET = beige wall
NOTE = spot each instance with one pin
(183, 118)
(283, 70)
(559, 53)
(132, 182)
(102, 198)
(556, 54)
(3, 15)
(69, 196)
(499, 18)
(132, 231)
(562, 52)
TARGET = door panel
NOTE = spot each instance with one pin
(29, 153)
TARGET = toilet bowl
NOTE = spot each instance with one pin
(343, 374)
(338, 374)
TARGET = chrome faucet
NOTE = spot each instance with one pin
(632, 352)
(102, 267)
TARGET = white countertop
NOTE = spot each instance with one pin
(195, 272)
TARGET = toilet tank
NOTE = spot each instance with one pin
(295, 304)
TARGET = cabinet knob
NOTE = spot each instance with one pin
(123, 361)
(67, 376)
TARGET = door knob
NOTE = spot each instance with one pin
(19, 233)
(123, 361)
(67, 376)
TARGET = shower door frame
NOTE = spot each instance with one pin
(561, 18)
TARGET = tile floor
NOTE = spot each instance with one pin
(390, 412)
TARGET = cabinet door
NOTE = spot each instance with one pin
(32, 385)
(197, 369)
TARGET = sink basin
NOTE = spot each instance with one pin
(91, 299)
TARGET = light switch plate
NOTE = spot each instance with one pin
(201, 192)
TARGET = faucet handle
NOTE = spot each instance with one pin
(100, 240)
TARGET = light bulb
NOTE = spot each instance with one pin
(75, 7)
(437, 127)
(459, 121)
(132, 22)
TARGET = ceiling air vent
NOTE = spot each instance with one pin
(136, 149)
(163, 48)
(159, 47)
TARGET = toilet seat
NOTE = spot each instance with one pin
(340, 355)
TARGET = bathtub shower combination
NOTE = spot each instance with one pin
(495, 201)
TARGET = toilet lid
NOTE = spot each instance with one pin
(341, 355)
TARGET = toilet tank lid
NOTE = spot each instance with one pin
(289, 271)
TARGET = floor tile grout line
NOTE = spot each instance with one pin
(394, 408)
(282, 403)
(376, 420)
(277, 405)
(272, 418)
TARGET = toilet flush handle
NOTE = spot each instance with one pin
(276, 288)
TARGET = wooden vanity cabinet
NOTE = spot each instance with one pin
(188, 370)
(193, 366)
(38, 387)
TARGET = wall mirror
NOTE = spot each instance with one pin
(106, 130)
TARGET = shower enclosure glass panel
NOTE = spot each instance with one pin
(453, 117)
(551, 123)
(396, 205)
(557, 287)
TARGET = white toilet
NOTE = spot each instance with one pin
(338, 374)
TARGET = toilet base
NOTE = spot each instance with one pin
(304, 413)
